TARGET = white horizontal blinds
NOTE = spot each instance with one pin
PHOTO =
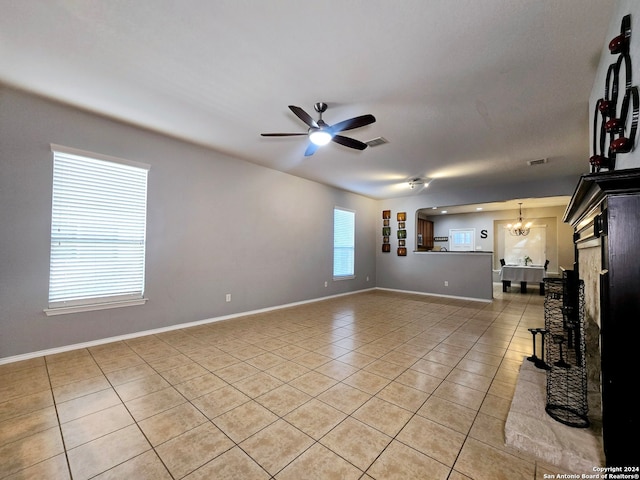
(97, 230)
(343, 242)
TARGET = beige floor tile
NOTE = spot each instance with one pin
(245, 420)
(106, 452)
(28, 424)
(356, 359)
(191, 450)
(23, 405)
(171, 423)
(51, 468)
(283, 399)
(28, 451)
(95, 425)
(118, 377)
(313, 383)
(141, 387)
(118, 362)
(385, 369)
(287, 371)
(433, 369)
(478, 460)
(456, 393)
(403, 396)
(400, 462)
(81, 406)
(495, 406)
(319, 462)
(257, 384)
(449, 414)
(447, 359)
(315, 418)
(236, 372)
(146, 466)
(312, 360)
(265, 361)
(356, 442)
(233, 464)
(74, 374)
(183, 373)
(70, 391)
(367, 382)
(383, 416)
(345, 398)
(154, 403)
(432, 439)
(478, 366)
(276, 445)
(217, 362)
(337, 370)
(419, 381)
(468, 379)
(163, 362)
(198, 386)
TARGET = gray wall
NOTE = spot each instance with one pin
(216, 225)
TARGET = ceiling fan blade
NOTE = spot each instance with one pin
(355, 122)
(281, 134)
(311, 149)
(304, 116)
(349, 142)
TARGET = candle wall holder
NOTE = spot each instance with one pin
(613, 133)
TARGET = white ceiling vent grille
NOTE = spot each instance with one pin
(537, 162)
(377, 142)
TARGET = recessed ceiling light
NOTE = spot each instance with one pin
(443, 211)
(478, 208)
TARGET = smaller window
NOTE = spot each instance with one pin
(344, 222)
(462, 240)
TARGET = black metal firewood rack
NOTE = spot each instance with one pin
(564, 315)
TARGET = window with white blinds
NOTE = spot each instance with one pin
(98, 227)
(344, 223)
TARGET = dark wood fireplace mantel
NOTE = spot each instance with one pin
(605, 213)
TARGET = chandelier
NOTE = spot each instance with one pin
(519, 229)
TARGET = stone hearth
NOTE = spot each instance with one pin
(530, 429)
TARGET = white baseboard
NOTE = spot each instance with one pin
(144, 333)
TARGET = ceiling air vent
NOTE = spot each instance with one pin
(377, 142)
(537, 162)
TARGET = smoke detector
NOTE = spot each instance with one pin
(537, 162)
(376, 142)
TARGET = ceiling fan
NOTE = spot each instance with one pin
(321, 133)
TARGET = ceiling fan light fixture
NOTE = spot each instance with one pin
(320, 137)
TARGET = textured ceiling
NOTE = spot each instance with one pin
(465, 91)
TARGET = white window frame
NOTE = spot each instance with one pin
(98, 232)
(348, 245)
(456, 246)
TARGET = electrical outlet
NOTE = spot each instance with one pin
(367, 278)
(446, 283)
(228, 297)
(326, 284)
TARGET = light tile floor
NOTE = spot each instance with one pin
(376, 385)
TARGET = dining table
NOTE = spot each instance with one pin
(523, 274)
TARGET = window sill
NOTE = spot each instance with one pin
(95, 306)
(346, 277)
